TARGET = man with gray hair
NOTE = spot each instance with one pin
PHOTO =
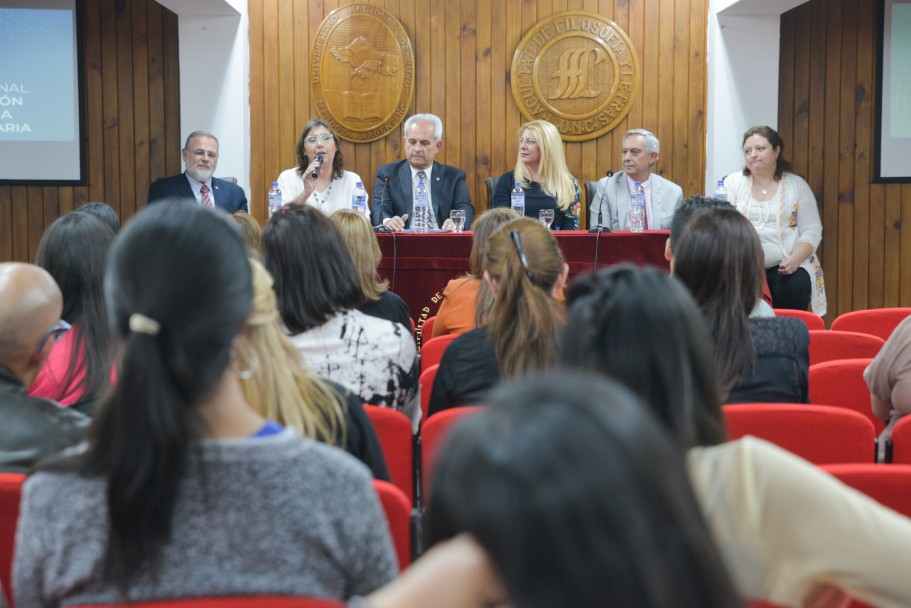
(610, 204)
(393, 191)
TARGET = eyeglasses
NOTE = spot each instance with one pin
(312, 139)
(528, 141)
(53, 334)
(517, 241)
(205, 153)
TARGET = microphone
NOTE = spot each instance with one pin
(600, 227)
(381, 227)
(319, 161)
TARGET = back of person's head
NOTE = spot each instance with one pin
(74, 250)
(249, 229)
(489, 222)
(312, 269)
(642, 328)
(357, 234)
(178, 290)
(720, 261)
(578, 498)
(31, 306)
(524, 264)
(685, 211)
(103, 212)
(277, 383)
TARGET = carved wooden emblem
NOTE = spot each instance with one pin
(362, 72)
(578, 71)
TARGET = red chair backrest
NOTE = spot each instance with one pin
(878, 322)
(393, 429)
(427, 378)
(398, 516)
(432, 350)
(237, 601)
(841, 383)
(434, 432)
(889, 485)
(832, 345)
(812, 320)
(10, 493)
(427, 329)
(901, 441)
(818, 433)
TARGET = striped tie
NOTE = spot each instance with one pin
(206, 199)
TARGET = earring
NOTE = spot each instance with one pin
(250, 364)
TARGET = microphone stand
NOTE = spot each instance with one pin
(381, 227)
(600, 227)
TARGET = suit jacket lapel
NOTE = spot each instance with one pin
(184, 187)
(436, 187)
(622, 193)
(407, 189)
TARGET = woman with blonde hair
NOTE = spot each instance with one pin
(278, 385)
(378, 301)
(542, 173)
(525, 270)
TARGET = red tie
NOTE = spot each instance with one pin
(206, 199)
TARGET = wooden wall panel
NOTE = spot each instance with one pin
(827, 111)
(132, 119)
(463, 51)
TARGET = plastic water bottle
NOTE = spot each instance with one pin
(517, 199)
(359, 199)
(637, 208)
(721, 193)
(421, 220)
(275, 198)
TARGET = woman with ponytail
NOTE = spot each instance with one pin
(524, 269)
(183, 489)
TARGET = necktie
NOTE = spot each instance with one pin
(206, 199)
(421, 176)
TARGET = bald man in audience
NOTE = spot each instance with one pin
(31, 428)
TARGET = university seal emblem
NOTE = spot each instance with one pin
(578, 71)
(362, 72)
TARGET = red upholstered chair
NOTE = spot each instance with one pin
(10, 492)
(393, 429)
(398, 515)
(434, 432)
(900, 442)
(259, 601)
(877, 321)
(831, 345)
(820, 434)
(426, 381)
(812, 320)
(889, 485)
(432, 350)
(427, 329)
(841, 383)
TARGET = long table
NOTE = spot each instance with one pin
(418, 266)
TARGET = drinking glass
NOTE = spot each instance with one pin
(458, 220)
(546, 216)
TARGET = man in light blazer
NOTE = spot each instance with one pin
(393, 191)
(200, 155)
(610, 204)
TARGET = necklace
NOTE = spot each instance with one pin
(319, 202)
(765, 189)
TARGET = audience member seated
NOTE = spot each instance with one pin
(787, 531)
(200, 155)
(249, 230)
(74, 251)
(318, 153)
(318, 295)
(393, 190)
(277, 385)
(103, 212)
(611, 201)
(719, 259)
(376, 299)
(30, 323)
(184, 490)
(524, 268)
(889, 379)
(542, 172)
(466, 302)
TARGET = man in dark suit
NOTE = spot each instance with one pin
(200, 156)
(393, 192)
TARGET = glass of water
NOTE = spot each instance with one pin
(546, 216)
(458, 220)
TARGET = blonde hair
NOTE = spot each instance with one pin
(553, 174)
(365, 251)
(526, 318)
(249, 229)
(281, 388)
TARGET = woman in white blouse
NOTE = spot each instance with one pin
(332, 187)
(782, 208)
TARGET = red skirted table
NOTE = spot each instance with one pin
(418, 266)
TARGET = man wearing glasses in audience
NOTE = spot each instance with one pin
(200, 155)
(30, 324)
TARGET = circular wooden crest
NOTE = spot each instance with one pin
(578, 71)
(362, 72)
